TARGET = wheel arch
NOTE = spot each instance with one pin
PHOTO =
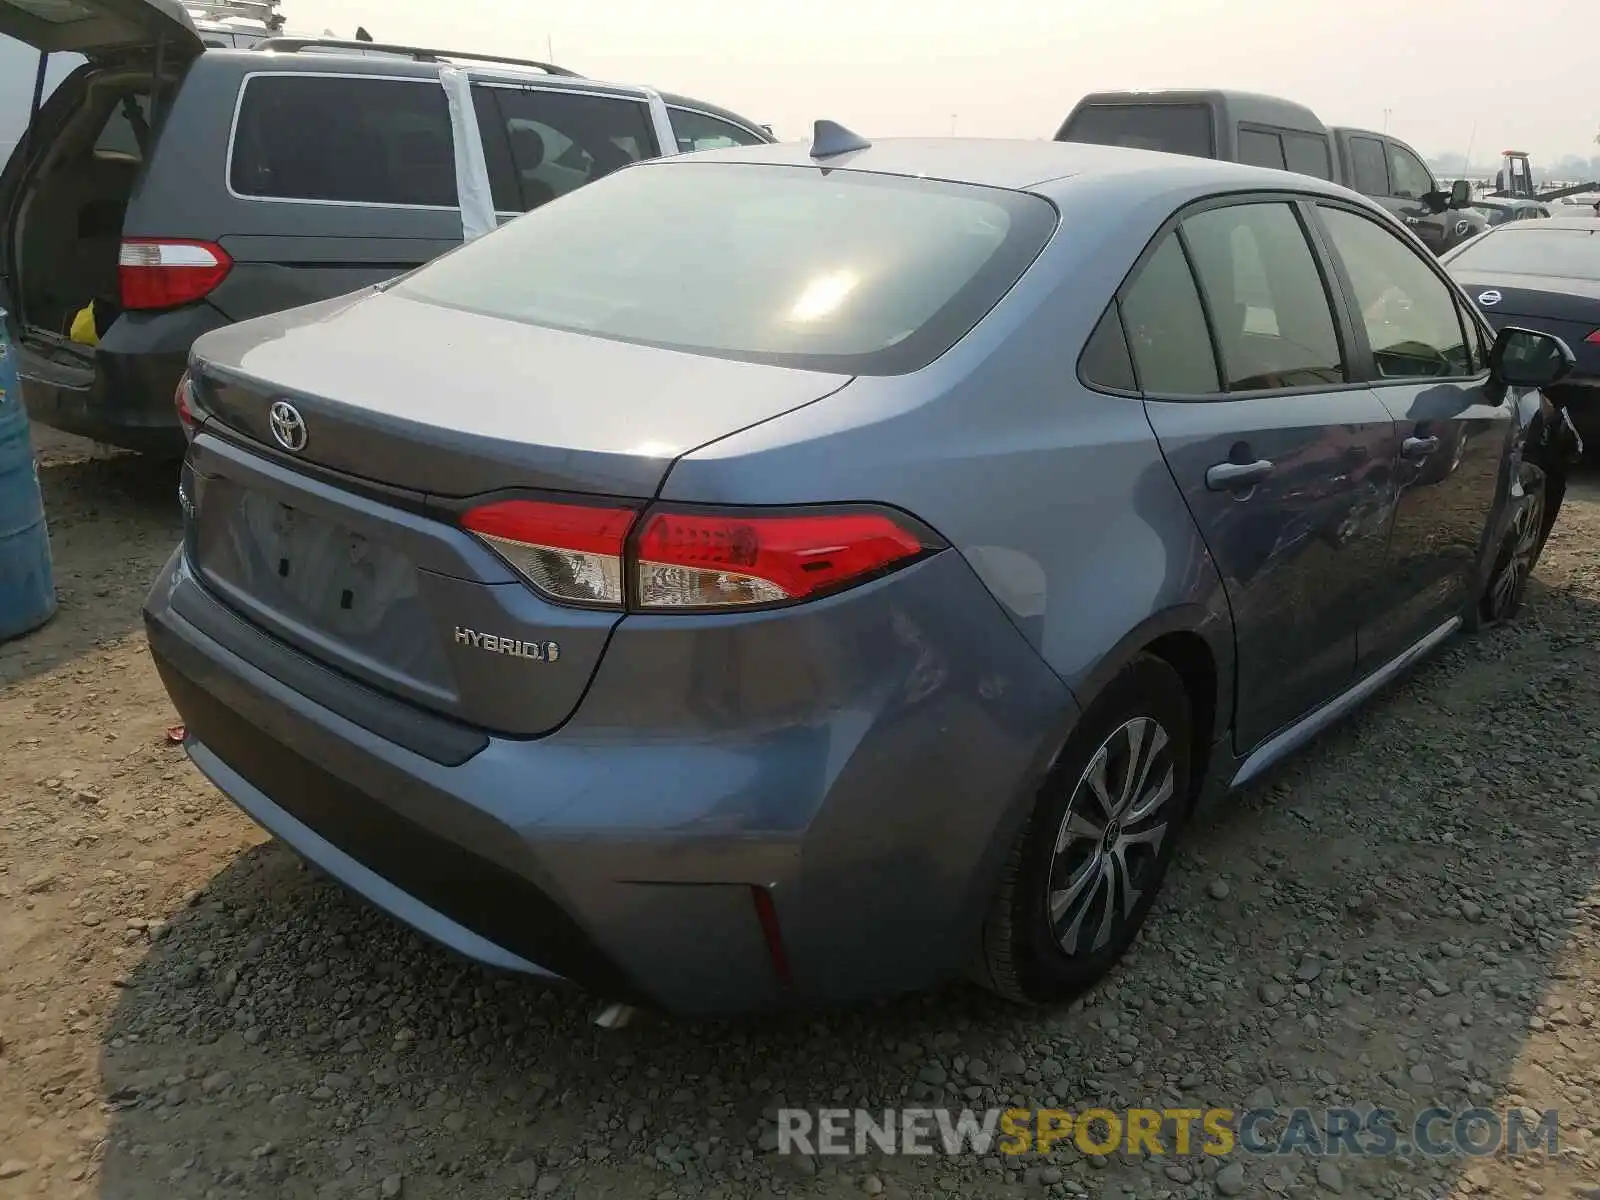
(1192, 638)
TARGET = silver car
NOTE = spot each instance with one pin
(797, 574)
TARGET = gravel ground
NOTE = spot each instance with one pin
(1406, 915)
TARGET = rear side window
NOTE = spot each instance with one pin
(835, 271)
(1166, 326)
(1260, 149)
(1307, 154)
(1106, 362)
(344, 140)
(702, 131)
(1368, 166)
(1273, 321)
(1175, 128)
(542, 144)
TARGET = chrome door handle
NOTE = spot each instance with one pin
(1232, 476)
(1419, 447)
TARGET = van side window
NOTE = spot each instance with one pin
(702, 131)
(1368, 166)
(555, 142)
(1307, 154)
(1260, 149)
(349, 141)
(1166, 327)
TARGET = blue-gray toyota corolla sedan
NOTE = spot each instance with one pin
(801, 573)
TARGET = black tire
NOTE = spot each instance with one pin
(1026, 955)
(1514, 561)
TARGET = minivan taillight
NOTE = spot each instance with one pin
(1594, 338)
(689, 559)
(169, 272)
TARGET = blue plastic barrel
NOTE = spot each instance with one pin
(27, 587)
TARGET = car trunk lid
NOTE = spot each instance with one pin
(453, 404)
(349, 547)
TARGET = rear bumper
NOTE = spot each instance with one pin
(621, 851)
(119, 393)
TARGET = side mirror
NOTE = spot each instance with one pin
(1460, 194)
(1528, 358)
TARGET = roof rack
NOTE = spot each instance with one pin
(290, 45)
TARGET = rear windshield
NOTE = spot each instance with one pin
(825, 270)
(1175, 128)
(1524, 249)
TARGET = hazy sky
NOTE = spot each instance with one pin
(1524, 75)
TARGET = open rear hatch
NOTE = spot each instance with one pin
(328, 502)
(132, 36)
(100, 29)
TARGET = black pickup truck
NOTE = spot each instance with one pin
(1268, 132)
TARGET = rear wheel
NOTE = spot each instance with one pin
(1086, 868)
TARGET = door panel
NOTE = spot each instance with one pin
(1285, 467)
(1298, 552)
(1452, 439)
(1452, 428)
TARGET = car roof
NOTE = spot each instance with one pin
(1021, 164)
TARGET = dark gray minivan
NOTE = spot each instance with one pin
(180, 188)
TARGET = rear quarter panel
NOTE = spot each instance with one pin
(1056, 496)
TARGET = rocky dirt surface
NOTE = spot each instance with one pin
(1406, 916)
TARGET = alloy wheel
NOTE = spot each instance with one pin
(1109, 843)
(1516, 564)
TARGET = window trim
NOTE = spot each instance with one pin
(1368, 363)
(1350, 350)
(762, 137)
(233, 134)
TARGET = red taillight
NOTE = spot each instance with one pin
(699, 560)
(168, 272)
(1594, 338)
(570, 552)
(691, 560)
(181, 398)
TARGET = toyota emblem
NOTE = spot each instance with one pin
(288, 426)
(1489, 299)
